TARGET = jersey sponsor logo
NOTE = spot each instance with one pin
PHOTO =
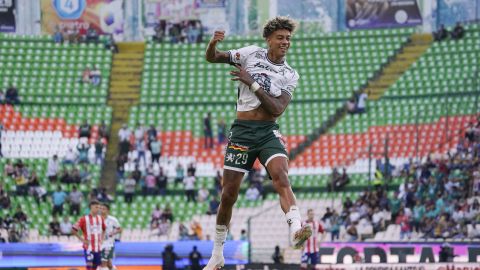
(263, 80)
(260, 55)
(266, 67)
(238, 147)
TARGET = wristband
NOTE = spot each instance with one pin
(254, 87)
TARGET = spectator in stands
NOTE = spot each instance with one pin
(54, 227)
(75, 199)
(21, 181)
(5, 201)
(352, 231)
(418, 215)
(155, 149)
(92, 35)
(164, 227)
(151, 133)
(192, 168)
(124, 137)
(351, 106)
(195, 259)
(103, 197)
(84, 131)
(9, 170)
(58, 35)
(151, 183)
(95, 76)
(222, 131)
(207, 131)
(360, 107)
(213, 206)
(334, 178)
(70, 157)
(169, 258)
(167, 213)
(66, 226)
(103, 131)
(58, 199)
(162, 181)
(121, 161)
(110, 44)
(11, 95)
(192, 32)
(86, 75)
(252, 193)
(180, 172)
(2, 97)
(203, 194)
(73, 34)
(99, 147)
(140, 147)
(82, 149)
(155, 217)
(159, 32)
(197, 230)
(139, 132)
(129, 188)
(458, 32)
(475, 231)
(189, 185)
(441, 34)
(37, 191)
(20, 216)
(404, 222)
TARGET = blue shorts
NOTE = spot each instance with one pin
(310, 258)
(92, 257)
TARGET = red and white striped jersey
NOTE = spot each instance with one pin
(92, 228)
(311, 245)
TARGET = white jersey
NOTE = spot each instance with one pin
(111, 224)
(273, 78)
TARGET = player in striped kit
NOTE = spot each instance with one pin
(93, 229)
(310, 251)
(108, 246)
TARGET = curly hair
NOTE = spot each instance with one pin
(279, 23)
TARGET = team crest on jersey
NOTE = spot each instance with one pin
(237, 56)
(263, 80)
(260, 55)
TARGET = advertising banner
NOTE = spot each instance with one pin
(364, 14)
(7, 16)
(361, 266)
(105, 16)
(397, 252)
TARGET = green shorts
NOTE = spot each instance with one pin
(107, 254)
(249, 140)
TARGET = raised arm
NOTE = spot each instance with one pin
(273, 105)
(212, 54)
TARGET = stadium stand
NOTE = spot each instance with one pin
(417, 119)
(46, 72)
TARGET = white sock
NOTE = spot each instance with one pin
(220, 238)
(294, 219)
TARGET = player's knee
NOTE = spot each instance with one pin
(280, 179)
(229, 197)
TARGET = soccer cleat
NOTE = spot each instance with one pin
(216, 262)
(301, 236)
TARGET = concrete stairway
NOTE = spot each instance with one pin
(410, 53)
(125, 85)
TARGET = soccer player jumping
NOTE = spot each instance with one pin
(266, 86)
